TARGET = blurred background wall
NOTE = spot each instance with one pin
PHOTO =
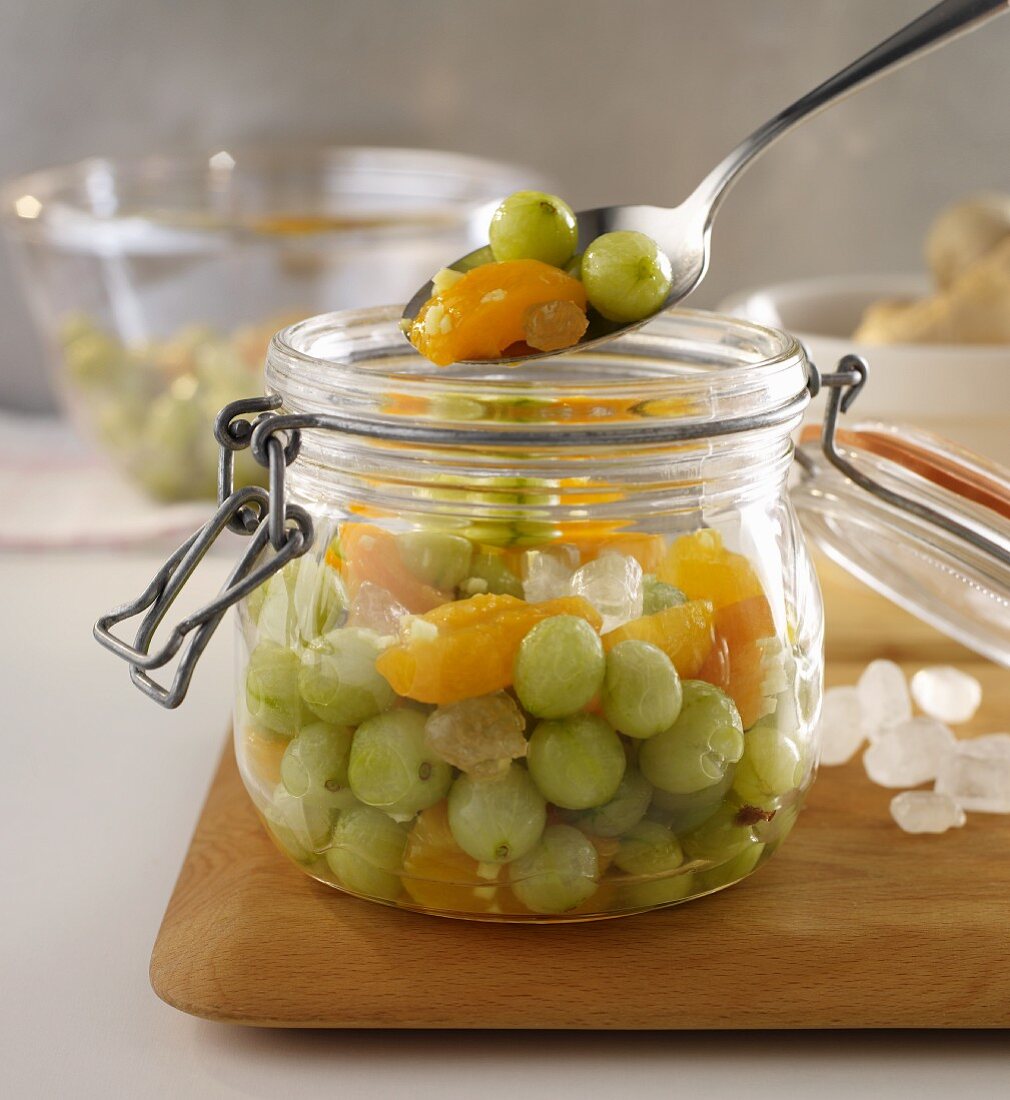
(620, 100)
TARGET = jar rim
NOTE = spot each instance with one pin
(685, 375)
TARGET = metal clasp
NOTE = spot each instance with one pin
(250, 511)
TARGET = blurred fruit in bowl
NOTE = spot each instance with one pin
(157, 283)
(938, 348)
(968, 252)
(964, 233)
(151, 406)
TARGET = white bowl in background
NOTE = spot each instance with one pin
(959, 390)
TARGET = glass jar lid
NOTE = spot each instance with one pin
(917, 518)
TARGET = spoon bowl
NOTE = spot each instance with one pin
(684, 232)
(681, 232)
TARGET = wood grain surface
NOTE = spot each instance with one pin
(853, 924)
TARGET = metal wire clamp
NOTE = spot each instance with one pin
(250, 511)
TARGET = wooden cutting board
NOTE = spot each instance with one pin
(853, 924)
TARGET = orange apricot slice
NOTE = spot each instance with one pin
(685, 634)
(468, 648)
(703, 569)
(748, 675)
(715, 669)
(263, 754)
(486, 311)
(745, 621)
(700, 565)
(748, 630)
(365, 552)
(606, 848)
(438, 874)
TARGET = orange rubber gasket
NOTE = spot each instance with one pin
(938, 469)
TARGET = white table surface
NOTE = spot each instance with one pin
(99, 793)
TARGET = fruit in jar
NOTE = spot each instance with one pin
(732, 869)
(696, 751)
(665, 890)
(559, 874)
(271, 688)
(703, 569)
(684, 812)
(480, 736)
(658, 596)
(301, 602)
(438, 874)
(754, 673)
(263, 753)
(491, 572)
(533, 225)
(514, 501)
(469, 647)
(316, 759)
(622, 811)
(375, 609)
(641, 689)
(318, 599)
(302, 825)
(685, 633)
(366, 553)
(559, 666)
(649, 848)
(646, 549)
(729, 831)
(366, 852)
(436, 558)
(576, 762)
(612, 583)
(338, 679)
(636, 787)
(497, 820)
(392, 767)
(745, 621)
(771, 766)
(744, 626)
(287, 839)
(606, 848)
(626, 275)
(715, 668)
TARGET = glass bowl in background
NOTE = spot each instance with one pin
(157, 283)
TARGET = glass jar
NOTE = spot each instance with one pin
(555, 652)
(156, 283)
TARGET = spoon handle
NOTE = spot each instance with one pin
(941, 23)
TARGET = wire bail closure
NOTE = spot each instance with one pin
(250, 511)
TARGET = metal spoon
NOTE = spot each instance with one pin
(684, 231)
